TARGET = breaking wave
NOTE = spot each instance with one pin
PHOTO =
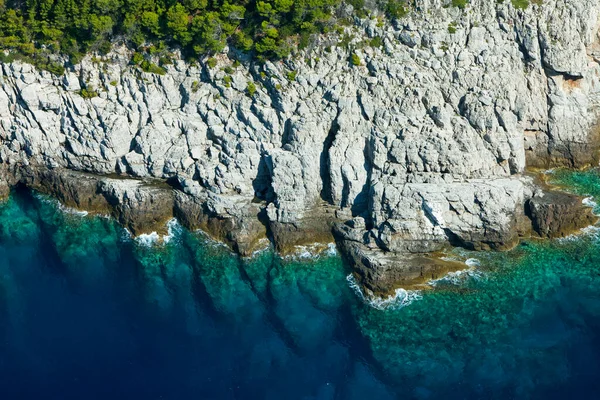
(153, 238)
(400, 299)
(459, 278)
(312, 252)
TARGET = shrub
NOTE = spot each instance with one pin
(50, 66)
(137, 58)
(396, 8)
(251, 89)
(291, 75)
(460, 3)
(88, 93)
(520, 4)
(147, 66)
(377, 41)
(166, 60)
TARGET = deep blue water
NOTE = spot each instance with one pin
(88, 313)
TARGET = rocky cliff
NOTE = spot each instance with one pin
(423, 144)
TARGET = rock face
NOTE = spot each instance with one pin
(556, 214)
(140, 206)
(422, 145)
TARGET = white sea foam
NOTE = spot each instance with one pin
(589, 201)
(173, 228)
(304, 252)
(153, 238)
(264, 244)
(72, 211)
(126, 235)
(147, 239)
(449, 258)
(400, 299)
(61, 207)
(331, 249)
(473, 262)
(459, 277)
(592, 230)
(312, 251)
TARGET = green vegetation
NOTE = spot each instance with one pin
(251, 89)
(38, 31)
(166, 60)
(291, 75)
(40, 60)
(521, 4)
(460, 3)
(211, 62)
(146, 66)
(355, 59)
(452, 28)
(88, 93)
(375, 42)
(396, 8)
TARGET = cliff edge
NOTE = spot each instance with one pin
(422, 145)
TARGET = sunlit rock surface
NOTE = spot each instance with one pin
(425, 142)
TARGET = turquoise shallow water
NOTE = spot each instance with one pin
(86, 312)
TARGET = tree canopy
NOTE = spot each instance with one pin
(73, 27)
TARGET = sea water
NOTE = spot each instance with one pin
(87, 312)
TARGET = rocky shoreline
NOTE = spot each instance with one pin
(424, 145)
(146, 205)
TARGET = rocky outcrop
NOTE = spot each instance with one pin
(557, 214)
(233, 220)
(423, 145)
(139, 205)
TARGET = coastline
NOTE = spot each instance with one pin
(422, 146)
(447, 266)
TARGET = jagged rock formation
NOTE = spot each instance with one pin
(423, 145)
(556, 214)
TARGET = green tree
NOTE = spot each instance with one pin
(100, 26)
(178, 24)
(268, 28)
(151, 22)
(193, 5)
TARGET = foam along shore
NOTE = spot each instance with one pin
(399, 299)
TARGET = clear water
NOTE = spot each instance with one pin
(88, 313)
